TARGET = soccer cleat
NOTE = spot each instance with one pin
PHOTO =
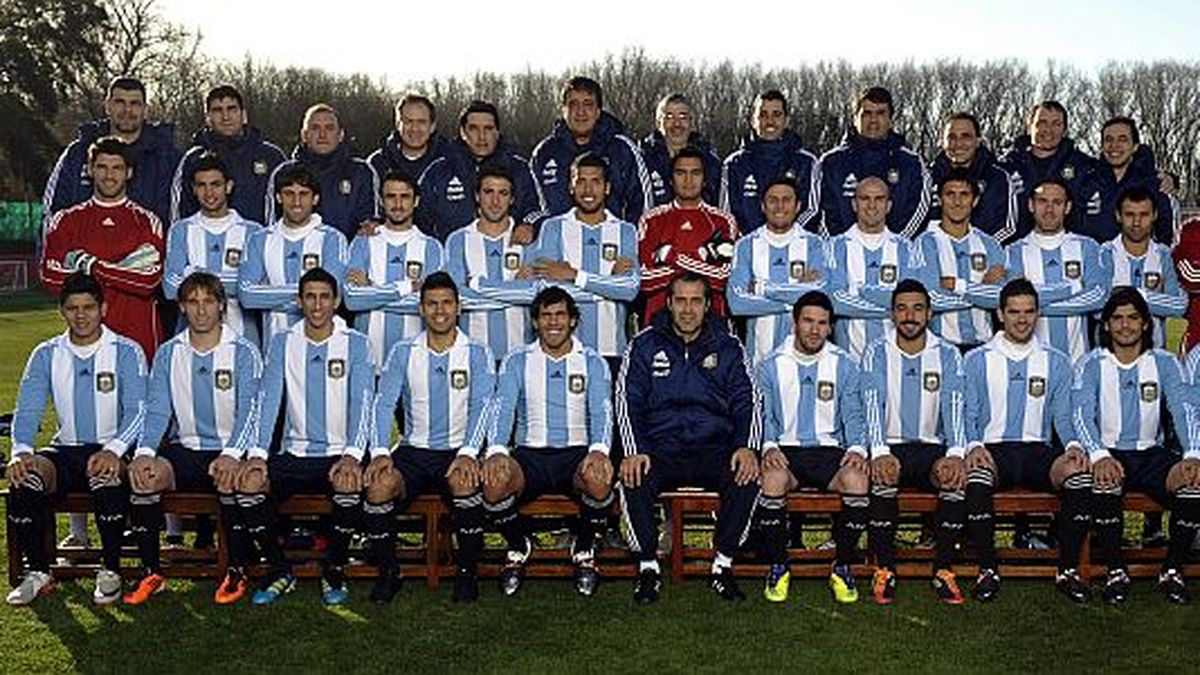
(33, 585)
(466, 587)
(1116, 588)
(841, 582)
(386, 586)
(725, 586)
(333, 588)
(945, 585)
(1070, 585)
(511, 578)
(173, 542)
(149, 585)
(987, 586)
(268, 594)
(648, 587)
(1170, 582)
(231, 589)
(883, 586)
(587, 578)
(108, 587)
(71, 541)
(779, 579)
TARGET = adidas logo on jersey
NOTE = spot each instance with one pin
(660, 365)
(108, 222)
(849, 186)
(550, 173)
(750, 188)
(454, 190)
(1093, 204)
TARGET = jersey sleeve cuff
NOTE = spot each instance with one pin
(956, 451)
(1099, 454)
(880, 451)
(467, 451)
(581, 278)
(497, 449)
(858, 450)
(235, 453)
(117, 447)
(21, 449)
(144, 451)
(256, 453)
(356, 453)
(769, 446)
(973, 446)
(599, 447)
(380, 451)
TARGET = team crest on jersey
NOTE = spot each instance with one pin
(336, 368)
(826, 390)
(310, 261)
(1151, 279)
(887, 274)
(1037, 387)
(1149, 392)
(345, 187)
(577, 383)
(1068, 172)
(223, 379)
(106, 382)
(512, 261)
(233, 257)
(459, 379)
(413, 269)
(982, 184)
(260, 167)
(1072, 269)
(608, 252)
(979, 261)
(893, 175)
(796, 270)
(709, 362)
(933, 381)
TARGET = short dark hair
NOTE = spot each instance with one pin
(399, 176)
(1136, 194)
(552, 295)
(812, 299)
(959, 175)
(689, 152)
(584, 84)
(319, 275)
(1052, 180)
(690, 277)
(910, 285)
(413, 97)
(223, 91)
(78, 282)
(478, 107)
(1049, 104)
(126, 83)
(109, 145)
(876, 95)
(772, 95)
(494, 169)
(590, 160)
(438, 280)
(963, 116)
(205, 281)
(209, 161)
(1119, 297)
(297, 174)
(784, 180)
(1015, 288)
(1134, 134)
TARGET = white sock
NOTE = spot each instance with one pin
(721, 562)
(648, 565)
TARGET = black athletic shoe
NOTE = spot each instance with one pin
(1170, 582)
(724, 585)
(987, 586)
(587, 578)
(466, 587)
(1070, 585)
(386, 586)
(648, 587)
(511, 578)
(1116, 589)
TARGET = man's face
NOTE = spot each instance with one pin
(589, 189)
(212, 190)
(481, 134)
(298, 203)
(780, 207)
(1019, 316)
(871, 204)
(1126, 326)
(581, 113)
(1050, 207)
(495, 199)
(84, 315)
(959, 142)
(415, 126)
(554, 326)
(110, 174)
(126, 110)
(688, 306)
(687, 179)
(910, 314)
(203, 311)
(1047, 129)
(812, 329)
(873, 120)
(1117, 144)
(675, 123)
(225, 116)
(399, 202)
(439, 309)
(323, 134)
(318, 302)
(957, 201)
(769, 119)
(1137, 220)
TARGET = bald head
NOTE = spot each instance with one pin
(871, 204)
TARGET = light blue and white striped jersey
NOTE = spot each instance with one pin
(914, 398)
(1148, 273)
(445, 397)
(276, 258)
(329, 388)
(811, 400)
(767, 278)
(390, 307)
(555, 403)
(601, 295)
(1065, 269)
(495, 303)
(98, 391)
(1118, 406)
(211, 395)
(966, 260)
(863, 271)
(1014, 393)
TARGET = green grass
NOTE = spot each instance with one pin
(548, 629)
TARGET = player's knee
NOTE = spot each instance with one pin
(596, 488)
(853, 481)
(775, 482)
(496, 493)
(461, 486)
(252, 483)
(385, 488)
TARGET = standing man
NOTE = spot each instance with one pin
(249, 158)
(1124, 164)
(1186, 255)
(414, 144)
(997, 209)
(675, 129)
(688, 415)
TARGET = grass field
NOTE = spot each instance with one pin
(548, 629)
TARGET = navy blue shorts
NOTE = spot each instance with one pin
(814, 467)
(1025, 465)
(292, 475)
(916, 464)
(1146, 471)
(70, 465)
(424, 471)
(191, 467)
(548, 470)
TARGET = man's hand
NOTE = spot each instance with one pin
(634, 468)
(19, 468)
(885, 470)
(104, 465)
(774, 460)
(1076, 460)
(555, 270)
(595, 468)
(467, 467)
(368, 228)
(1107, 473)
(947, 283)
(377, 468)
(951, 473)
(346, 475)
(854, 460)
(253, 474)
(522, 234)
(744, 466)
(980, 458)
(497, 470)
(358, 277)
(622, 265)
(1189, 473)
(810, 275)
(143, 474)
(995, 274)
(224, 472)
(524, 273)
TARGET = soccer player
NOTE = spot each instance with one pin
(385, 269)
(211, 240)
(558, 394)
(96, 379)
(324, 372)
(1120, 390)
(1124, 164)
(1186, 255)
(996, 209)
(912, 392)
(412, 147)
(275, 258)
(675, 129)
(204, 386)
(772, 268)
(114, 240)
(1134, 259)
(687, 235)
(963, 261)
(1016, 387)
(592, 255)
(812, 437)
(1064, 268)
(688, 414)
(443, 381)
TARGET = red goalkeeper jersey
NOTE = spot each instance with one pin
(673, 240)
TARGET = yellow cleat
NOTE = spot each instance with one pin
(778, 581)
(841, 582)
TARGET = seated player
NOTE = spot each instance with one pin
(812, 437)
(443, 381)
(912, 393)
(97, 381)
(1120, 389)
(204, 385)
(557, 393)
(325, 373)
